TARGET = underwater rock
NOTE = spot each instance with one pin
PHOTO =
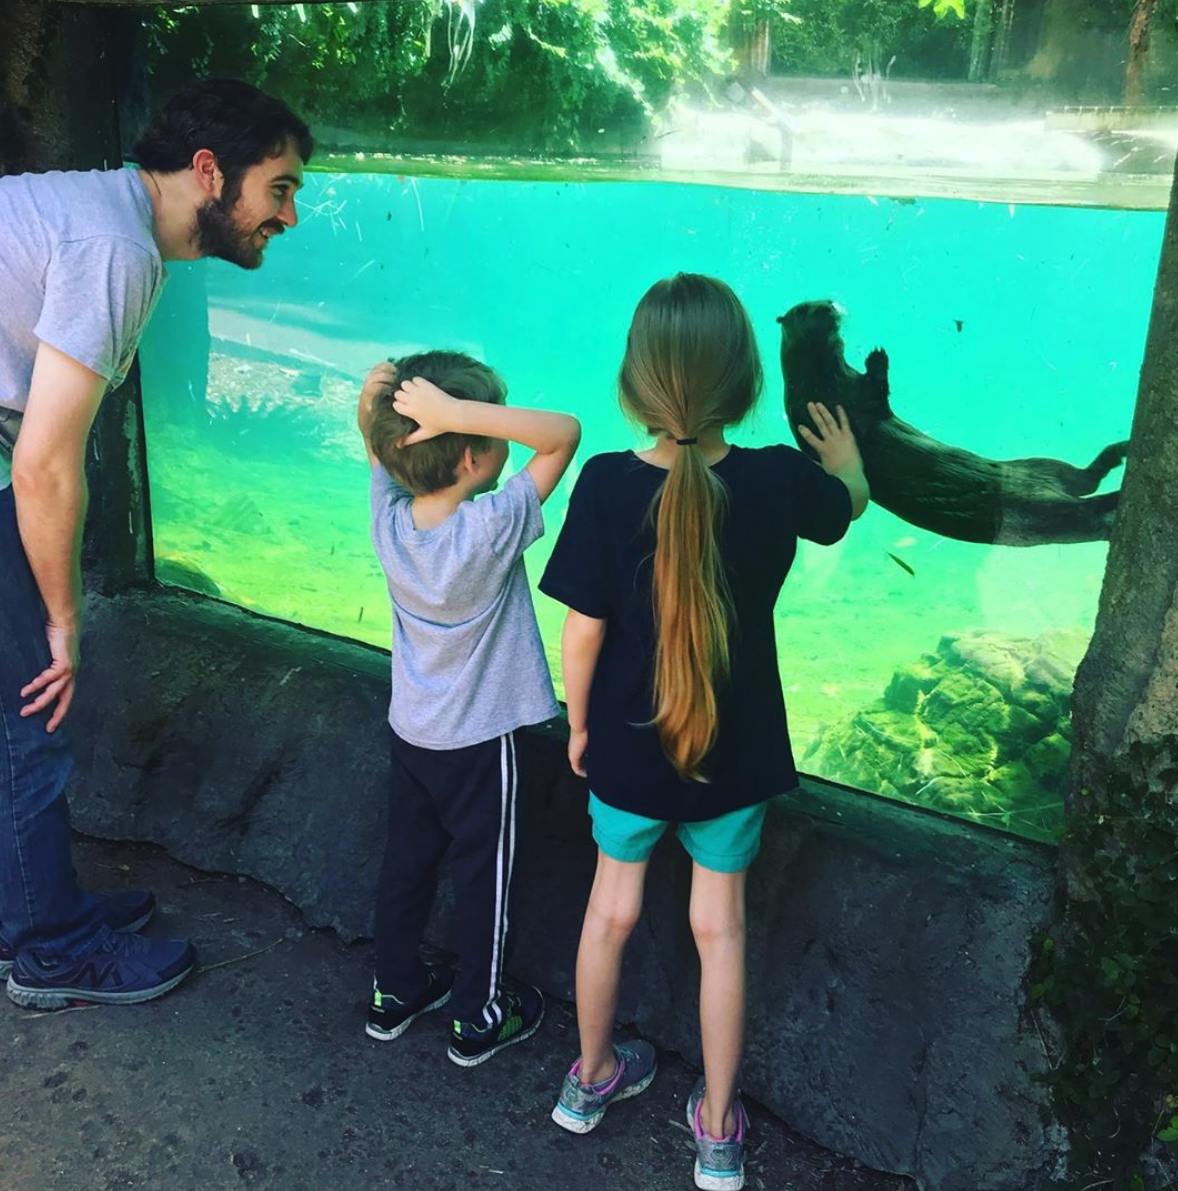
(277, 404)
(179, 572)
(980, 728)
(945, 489)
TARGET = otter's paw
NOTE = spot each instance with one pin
(877, 363)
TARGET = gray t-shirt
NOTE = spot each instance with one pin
(79, 270)
(468, 663)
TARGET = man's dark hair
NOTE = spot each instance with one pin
(232, 119)
(432, 465)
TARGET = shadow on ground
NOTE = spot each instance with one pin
(257, 1074)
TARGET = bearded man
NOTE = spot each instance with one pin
(81, 268)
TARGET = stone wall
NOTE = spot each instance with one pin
(888, 947)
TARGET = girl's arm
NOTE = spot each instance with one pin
(838, 452)
(580, 644)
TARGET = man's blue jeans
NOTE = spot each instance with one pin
(42, 908)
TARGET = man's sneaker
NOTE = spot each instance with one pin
(389, 1018)
(582, 1105)
(719, 1164)
(124, 912)
(523, 1010)
(122, 970)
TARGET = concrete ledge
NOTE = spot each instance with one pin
(887, 947)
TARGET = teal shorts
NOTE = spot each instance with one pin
(726, 844)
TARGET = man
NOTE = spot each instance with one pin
(81, 267)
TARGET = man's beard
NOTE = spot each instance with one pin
(218, 235)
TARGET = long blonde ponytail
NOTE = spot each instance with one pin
(691, 366)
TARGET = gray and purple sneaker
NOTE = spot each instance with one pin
(581, 1106)
(719, 1163)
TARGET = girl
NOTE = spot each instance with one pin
(670, 561)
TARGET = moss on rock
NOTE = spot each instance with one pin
(980, 728)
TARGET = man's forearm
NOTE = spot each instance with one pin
(50, 510)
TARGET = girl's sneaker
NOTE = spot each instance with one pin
(582, 1105)
(523, 1010)
(389, 1018)
(719, 1164)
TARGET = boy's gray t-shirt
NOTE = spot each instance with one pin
(468, 663)
(79, 270)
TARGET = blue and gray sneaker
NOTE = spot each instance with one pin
(124, 912)
(122, 970)
(582, 1105)
(719, 1163)
(522, 1011)
(389, 1018)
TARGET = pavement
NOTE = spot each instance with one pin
(257, 1073)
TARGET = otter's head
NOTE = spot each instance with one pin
(813, 364)
(813, 327)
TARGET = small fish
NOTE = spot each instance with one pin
(901, 563)
(959, 323)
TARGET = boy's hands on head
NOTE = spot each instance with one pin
(378, 385)
(430, 407)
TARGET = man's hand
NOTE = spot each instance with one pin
(56, 682)
(432, 409)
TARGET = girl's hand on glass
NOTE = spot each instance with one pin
(833, 441)
(430, 407)
(578, 744)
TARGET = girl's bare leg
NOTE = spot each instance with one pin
(717, 921)
(614, 905)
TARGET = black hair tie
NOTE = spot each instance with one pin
(686, 442)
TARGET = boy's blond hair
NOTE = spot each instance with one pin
(432, 465)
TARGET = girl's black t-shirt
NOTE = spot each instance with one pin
(602, 566)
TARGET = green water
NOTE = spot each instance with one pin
(1012, 331)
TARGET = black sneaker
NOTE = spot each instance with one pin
(523, 1010)
(121, 970)
(124, 912)
(389, 1018)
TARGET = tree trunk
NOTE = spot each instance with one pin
(1138, 51)
(979, 50)
(1127, 686)
(751, 43)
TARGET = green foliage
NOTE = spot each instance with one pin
(944, 7)
(824, 37)
(535, 74)
(1108, 971)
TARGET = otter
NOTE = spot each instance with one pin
(929, 484)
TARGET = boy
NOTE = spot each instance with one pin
(468, 669)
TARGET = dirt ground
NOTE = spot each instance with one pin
(257, 1073)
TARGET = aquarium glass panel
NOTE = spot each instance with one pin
(915, 665)
(979, 186)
